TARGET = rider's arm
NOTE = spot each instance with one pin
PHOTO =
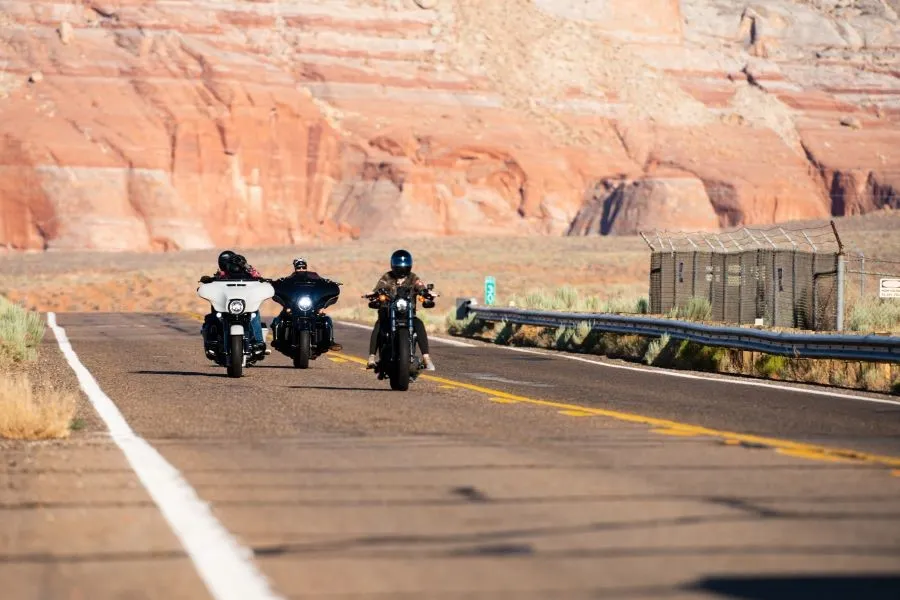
(383, 283)
(417, 283)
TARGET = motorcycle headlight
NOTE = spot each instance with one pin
(236, 307)
(305, 303)
(402, 305)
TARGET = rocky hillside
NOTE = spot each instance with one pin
(151, 125)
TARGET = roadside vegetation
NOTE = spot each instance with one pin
(666, 352)
(876, 315)
(28, 410)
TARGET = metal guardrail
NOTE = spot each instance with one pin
(878, 348)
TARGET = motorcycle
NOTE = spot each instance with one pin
(397, 347)
(235, 303)
(302, 332)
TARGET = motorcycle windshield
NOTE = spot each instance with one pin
(321, 292)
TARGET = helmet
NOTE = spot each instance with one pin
(237, 264)
(299, 263)
(401, 263)
(225, 259)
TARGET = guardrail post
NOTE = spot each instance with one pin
(840, 291)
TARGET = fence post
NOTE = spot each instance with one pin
(840, 291)
(815, 292)
(694, 275)
(794, 287)
(774, 288)
(862, 276)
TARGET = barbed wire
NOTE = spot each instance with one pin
(823, 238)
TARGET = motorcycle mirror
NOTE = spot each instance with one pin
(430, 286)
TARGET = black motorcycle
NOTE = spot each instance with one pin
(397, 348)
(302, 332)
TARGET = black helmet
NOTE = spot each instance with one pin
(401, 263)
(225, 259)
(237, 265)
(299, 263)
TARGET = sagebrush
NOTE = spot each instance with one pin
(21, 331)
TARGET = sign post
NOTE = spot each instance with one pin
(889, 288)
(490, 291)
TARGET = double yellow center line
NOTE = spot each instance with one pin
(667, 427)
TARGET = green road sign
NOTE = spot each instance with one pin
(490, 291)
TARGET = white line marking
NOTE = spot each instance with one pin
(224, 565)
(440, 340)
(724, 379)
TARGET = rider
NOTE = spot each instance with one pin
(301, 272)
(400, 275)
(232, 266)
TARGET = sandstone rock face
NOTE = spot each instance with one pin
(158, 125)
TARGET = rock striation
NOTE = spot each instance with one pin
(155, 125)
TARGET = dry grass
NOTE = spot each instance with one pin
(28, 411)
(33, 412)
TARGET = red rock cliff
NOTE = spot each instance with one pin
(152, 125)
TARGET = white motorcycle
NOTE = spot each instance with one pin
(228, 332)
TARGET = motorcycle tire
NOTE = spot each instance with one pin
(400, 370)
(301, 357)
(236, 359)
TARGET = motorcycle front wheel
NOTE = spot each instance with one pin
(236, 359)
(400, 369)
(301, 356)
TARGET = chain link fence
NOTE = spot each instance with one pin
(864, 276)
(774, 277)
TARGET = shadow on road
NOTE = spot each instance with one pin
(818, 587)
(180, 373)
(336, 388)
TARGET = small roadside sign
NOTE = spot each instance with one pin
(890, 288)
(490, 291)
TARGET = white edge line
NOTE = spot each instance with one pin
(225, 566)
(431, 338)
(722, 379)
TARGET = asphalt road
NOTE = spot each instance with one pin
(502, 475)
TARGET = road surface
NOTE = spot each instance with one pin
(502, 475)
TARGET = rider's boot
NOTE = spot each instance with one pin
(371, 363)
(429, 364)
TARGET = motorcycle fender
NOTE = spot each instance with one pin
(237, 330)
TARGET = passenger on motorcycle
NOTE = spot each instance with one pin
(301, 271)
(231, 266)
(400, 275)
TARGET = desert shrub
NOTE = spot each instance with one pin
(882, 315)
(771, 366)
(695, 309)
(655, 348)
(21, 331)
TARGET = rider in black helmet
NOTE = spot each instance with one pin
(232, 266)
(301, 271)
(225, 260)
(400, 275)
